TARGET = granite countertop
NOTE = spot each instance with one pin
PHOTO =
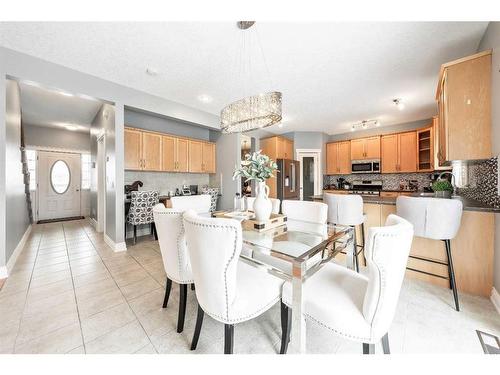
(468, 204)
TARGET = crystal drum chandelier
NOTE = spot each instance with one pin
(252, 112)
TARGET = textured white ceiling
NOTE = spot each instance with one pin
(50, 108)
(331, 74)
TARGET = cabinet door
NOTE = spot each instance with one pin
(268, 147)
(169, 162)
(280, 148)
(151, 151)
(441, 126)
(407, 152)
(208, 154)
(344, 157)
(331, 158)
(288, 149)
(182, 154)
(389, 153)
(358, 149)
(372, 148)
(133, 151)
(195, 156)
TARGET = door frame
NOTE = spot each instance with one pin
(37, 169)
(316, 154)
(101, 184)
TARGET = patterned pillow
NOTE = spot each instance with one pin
(141, 207)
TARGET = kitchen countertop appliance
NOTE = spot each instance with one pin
(366, 187)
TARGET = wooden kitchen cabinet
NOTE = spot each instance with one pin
(464, 104)
(425, 149)
(276, 148)
(365, 148)
(399, 153)
(133, 149)
(338, 157)
(153, 151)
(175, 154)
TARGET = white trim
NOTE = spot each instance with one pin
(5, 270)
(101, 183)
(117, 247)
(495, 299)
(92, 222)
(58, 149)
(318, 176)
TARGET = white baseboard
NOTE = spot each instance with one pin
(117, 247)
(495, 299)
(93, 222)
(5, 270)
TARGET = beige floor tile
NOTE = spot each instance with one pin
(125, 340)
(99, 302)
(129, 277)
(148, 349)
(89, 278)
(39, 271)
(95, 288)
(140, 288)
(35, 306)
(106, 321)
(37, 281)
(60, 341)
(78, 350)
(87, 268)
(148, 302)
(90, 258)
(50, 289)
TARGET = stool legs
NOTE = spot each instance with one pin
(451, 273)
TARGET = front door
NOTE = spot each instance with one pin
(58, 185)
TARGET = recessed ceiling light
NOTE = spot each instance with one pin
(205, 98)
(151, 71)
(399, 103)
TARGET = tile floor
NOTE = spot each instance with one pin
(70, 293)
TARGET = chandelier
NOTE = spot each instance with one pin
(365, 124)
(252, 112)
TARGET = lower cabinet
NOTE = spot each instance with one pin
(472, 253)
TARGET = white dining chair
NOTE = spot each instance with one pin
(354, 306)
(199, 203)
(228, 289)
(436, 219)
(309, 214)
(314, 212)
(275, 202)
(347, 209)
(171, 238)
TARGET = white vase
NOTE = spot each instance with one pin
(262, 206)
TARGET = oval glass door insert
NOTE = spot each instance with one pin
(60, 177)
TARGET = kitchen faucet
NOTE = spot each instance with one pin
(453, 181)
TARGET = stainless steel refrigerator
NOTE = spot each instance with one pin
(288, 179)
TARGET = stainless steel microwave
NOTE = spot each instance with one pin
(365, 166)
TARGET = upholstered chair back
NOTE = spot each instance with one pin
(386, 253)
(214, 195)
(141, 207)
(198, 203)
(172, 240)
(314, 212)
(433, 218)
(344, 209)
(275, 202)
(214, 247)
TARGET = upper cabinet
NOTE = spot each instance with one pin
(277, 147)
(464, 104)
(152, 151)
(425, 149)
(338, 157)
(399, 153)
(365, 148)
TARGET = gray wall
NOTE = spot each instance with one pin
(104, 122)
(17, 220)
(51, 75)
(228, 155)
(407, 126)
(491, 40)
(154, 122)
(45, 137)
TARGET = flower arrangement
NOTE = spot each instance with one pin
(256, 167)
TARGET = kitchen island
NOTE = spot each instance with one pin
(472, 248)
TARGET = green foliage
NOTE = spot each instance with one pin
(256, 167)
(442, 185)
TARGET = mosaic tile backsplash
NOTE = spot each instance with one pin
(390, 181)
(483, 182)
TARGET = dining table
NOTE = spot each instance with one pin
(294, 252)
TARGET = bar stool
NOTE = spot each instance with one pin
(346, 209)
(436, 219)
